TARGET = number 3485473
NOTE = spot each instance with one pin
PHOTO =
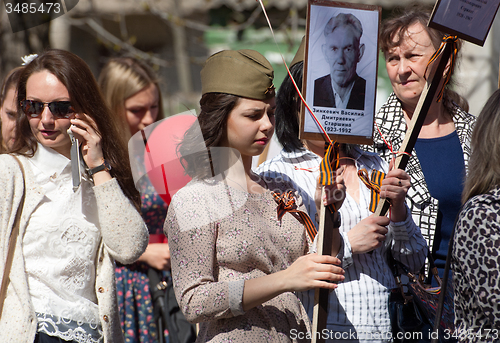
(25, 7)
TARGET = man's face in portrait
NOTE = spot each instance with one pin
(342, 52)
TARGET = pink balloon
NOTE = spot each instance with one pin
(161, 159)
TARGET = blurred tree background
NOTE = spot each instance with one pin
(176, 36)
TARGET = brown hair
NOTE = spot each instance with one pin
(123, 77)
(86, 98)
(484, 164)
(393, 33)
(9, 82)
(212, 120)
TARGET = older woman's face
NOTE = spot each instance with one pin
(406, 65)
(8, 114)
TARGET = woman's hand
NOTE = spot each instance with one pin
(157, 255)
(305, 273)
(394, 187)
(313, 271)
(83, 128)
(334, 194)
(368, 234)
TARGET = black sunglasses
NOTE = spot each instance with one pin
(59, 109)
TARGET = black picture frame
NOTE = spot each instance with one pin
(470, 20)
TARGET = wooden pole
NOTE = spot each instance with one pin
(424, 103)
(320, 311)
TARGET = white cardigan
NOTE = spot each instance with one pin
(124, 238)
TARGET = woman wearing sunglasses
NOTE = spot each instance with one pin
(61, 284)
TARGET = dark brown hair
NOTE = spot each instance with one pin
(393, 33)
(394, 29)
(86, 98)
(9, 82)
(212, 120)
(288, 110)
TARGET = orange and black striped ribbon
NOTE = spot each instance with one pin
(373, 183)
(286, 203)
(454, 50)
(327, 167)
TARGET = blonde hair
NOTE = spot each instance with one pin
(120, 79)
(484, 164)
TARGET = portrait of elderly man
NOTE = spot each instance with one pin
(342, 87)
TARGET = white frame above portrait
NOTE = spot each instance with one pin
(349, 125)
(470, 20)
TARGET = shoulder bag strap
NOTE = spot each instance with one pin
(12, 245)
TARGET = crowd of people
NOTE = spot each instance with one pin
(82, 242)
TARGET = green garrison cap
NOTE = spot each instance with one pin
(245, 73)
(300, 54)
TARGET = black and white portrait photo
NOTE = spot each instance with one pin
(341, 70)
(342, 87)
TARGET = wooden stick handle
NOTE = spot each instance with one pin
(325, 238)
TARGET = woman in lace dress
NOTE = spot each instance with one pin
(235, 262)
(74, 225)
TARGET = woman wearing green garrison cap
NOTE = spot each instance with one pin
(237, 254)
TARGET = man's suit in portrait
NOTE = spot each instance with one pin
(323, 93)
